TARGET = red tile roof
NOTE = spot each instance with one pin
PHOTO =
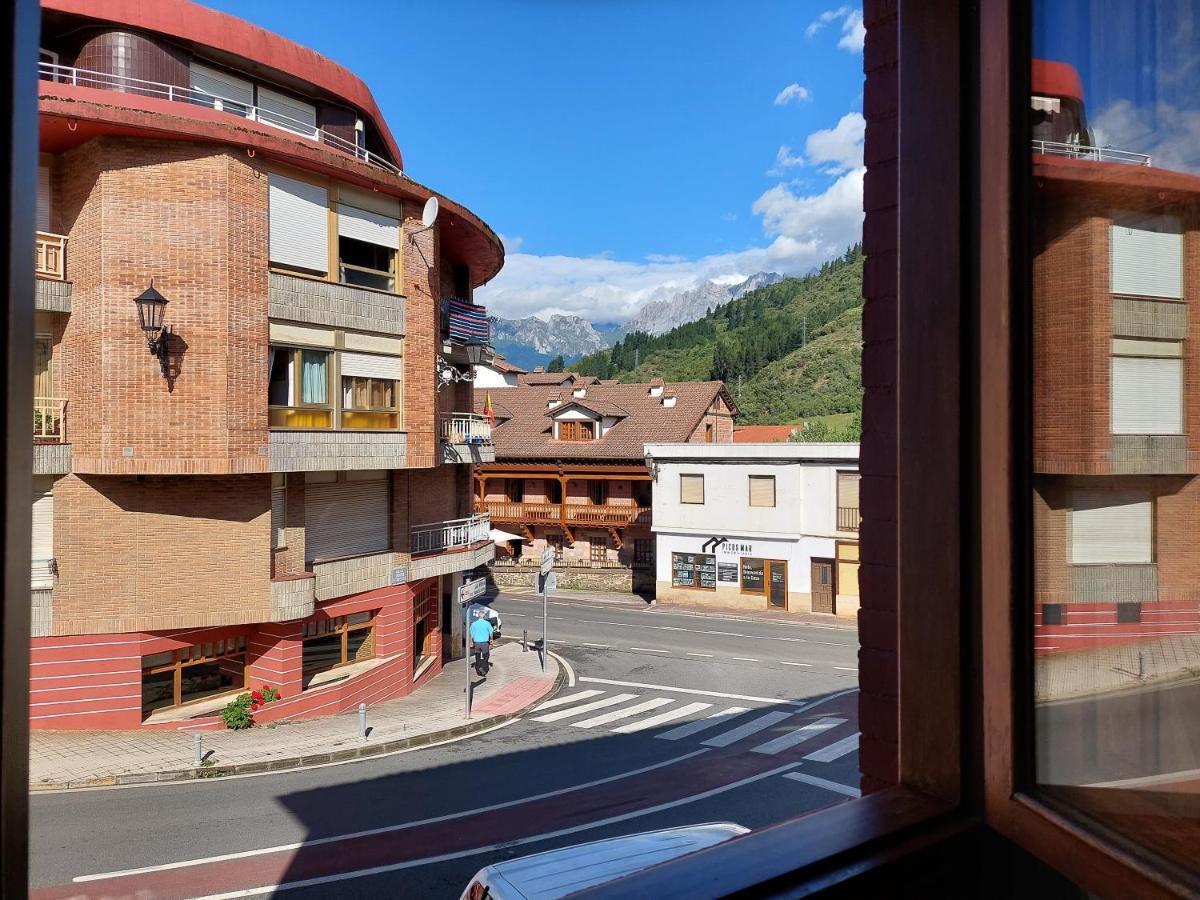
(500, 364)
(527, 431)
(558, 379)
(765, 434)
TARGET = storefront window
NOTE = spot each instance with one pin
(329, 643)
(694, 570)
(176, 677)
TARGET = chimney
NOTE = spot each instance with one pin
(656, 387)
(553, 401)
(579, 393)
(539, 370)
(668, 398)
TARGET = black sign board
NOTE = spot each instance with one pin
(752, 576)
(727, 573)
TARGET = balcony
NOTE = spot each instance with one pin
(467, 438)
(50, 255)
(457, 545)
(848, 518)
(605, 516)
(51, 452)
(1094, 154)
(126, 85)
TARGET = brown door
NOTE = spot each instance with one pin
(777, 584)
(822, 586)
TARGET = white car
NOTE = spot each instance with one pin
(490, 614)
(557, 873)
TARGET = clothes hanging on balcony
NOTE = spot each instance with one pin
(468, 323)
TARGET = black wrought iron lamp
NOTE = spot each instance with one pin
(152, 308)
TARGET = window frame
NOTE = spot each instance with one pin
(683, 475)
(339, 626)
(296, 355)
(750, 479)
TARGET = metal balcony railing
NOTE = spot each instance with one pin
(50, 420)
(125, 84)
(466, 428)
(1095, 154)
(438, 537)
(50, 255)
(848, 518)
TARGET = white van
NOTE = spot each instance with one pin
(557, 873)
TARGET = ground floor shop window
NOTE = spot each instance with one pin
(329, 643)
(175, 677)
(767, 577)
(694, 570)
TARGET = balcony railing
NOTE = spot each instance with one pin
(466, 428)
(51, 255)
(50, 420)
(1095, 154)
(848, 518)
(125, 84)
(569, 513)
(437, 537)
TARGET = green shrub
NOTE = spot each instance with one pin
(237, 713)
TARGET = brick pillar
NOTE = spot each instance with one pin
(273, 656)
(878, 705)
(422, 341)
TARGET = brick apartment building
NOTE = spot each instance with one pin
(283, 496)
(1117, 403)
(570, 472)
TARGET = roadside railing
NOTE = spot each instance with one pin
(50, 255)
(466, 428)
(50, 420)
(437, 537)
(1095, 154)
(125, 84)
(848, 518)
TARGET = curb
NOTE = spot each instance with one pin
(302, 762)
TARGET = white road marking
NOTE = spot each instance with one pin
(662, 718)
(511, 613)
(649, 650)
(570, 698)
(824, 783)
(605, 718)
(387, 829)
(412, 863)
(705, 655)
(725, 738)
(566, 665)
(743, 659)
(692, 727)
(798, 736)
(805, 665)
(836, 750)
(752, 637)
(720, 696)
(587, 707)
(845, 669)
(597, 646)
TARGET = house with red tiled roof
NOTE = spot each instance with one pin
(766, 434)
(497, 373)
(570, 472)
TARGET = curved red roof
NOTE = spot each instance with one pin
(187, 21)
(1056, 79)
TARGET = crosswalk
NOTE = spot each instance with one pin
(764, 730)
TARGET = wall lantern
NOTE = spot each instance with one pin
(152, 307)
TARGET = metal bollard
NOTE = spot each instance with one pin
(525, 640)
(198, 748)
(1141, 664)
(362, 721)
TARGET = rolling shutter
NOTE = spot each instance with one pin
(299, 223)
(278, 511)
(224, 87)
(847, 490)
(1147, 256)
(691, 488)
(1111, 527)
(1147, 395)
(366, 365)
(41, 571)
(43, 198)
(371, 227)
(762, 490)
(345, 518)
(287, 112)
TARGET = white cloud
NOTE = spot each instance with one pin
(512, 244)
(793, 91)
(784, 160)
(1169, 134)
(853, 32)
(839, 148)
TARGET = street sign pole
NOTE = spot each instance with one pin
(546, 571)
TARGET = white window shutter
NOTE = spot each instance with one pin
(762, 490)
(691, 488)
(847, 490)
(287, 112)
(234, 95)
(299, 223)
(363, 225)
(1147, 256)
(1111, 527)
(1147, 395)
(41, 572)
(367, 365)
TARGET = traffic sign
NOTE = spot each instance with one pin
(471, 589)
(547, 560)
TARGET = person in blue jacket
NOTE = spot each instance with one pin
(481, 640)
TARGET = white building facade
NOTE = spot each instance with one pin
(756, 526)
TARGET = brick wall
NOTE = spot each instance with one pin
(877, 622)
(289, 559)
(193, 218)
(154, 552)
(422, 342)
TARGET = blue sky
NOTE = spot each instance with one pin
(621, 147)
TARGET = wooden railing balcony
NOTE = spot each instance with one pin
(528, 513)
(609, 514)
(848, 518)
(570, 513)
(50, 256)
(49, 420)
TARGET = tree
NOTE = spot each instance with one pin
(557, 364)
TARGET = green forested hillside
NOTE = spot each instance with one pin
(787, 351)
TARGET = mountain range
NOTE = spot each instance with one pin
(531, 341)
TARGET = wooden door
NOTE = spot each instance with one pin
(823, 587)
(777, 584)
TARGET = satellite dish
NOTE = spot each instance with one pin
(429, 216)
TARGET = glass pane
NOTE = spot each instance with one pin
(1116, 605)
(204, 679)
(322, 653)
(158, 690)
(279, 365)
(314, 380)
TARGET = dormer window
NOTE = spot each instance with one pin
(656, 389)
(554, 401)
(576, 431)
(669, 399)
(579, 393)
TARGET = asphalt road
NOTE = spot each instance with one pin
(674, 719)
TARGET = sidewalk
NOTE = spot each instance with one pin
(434, 713)
(1097, 670)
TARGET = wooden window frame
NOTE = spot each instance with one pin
(182, 659)
(573, 430)
(295, 353)
(741, 574)
(341, 626)
(750, 479)
(599, 543)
